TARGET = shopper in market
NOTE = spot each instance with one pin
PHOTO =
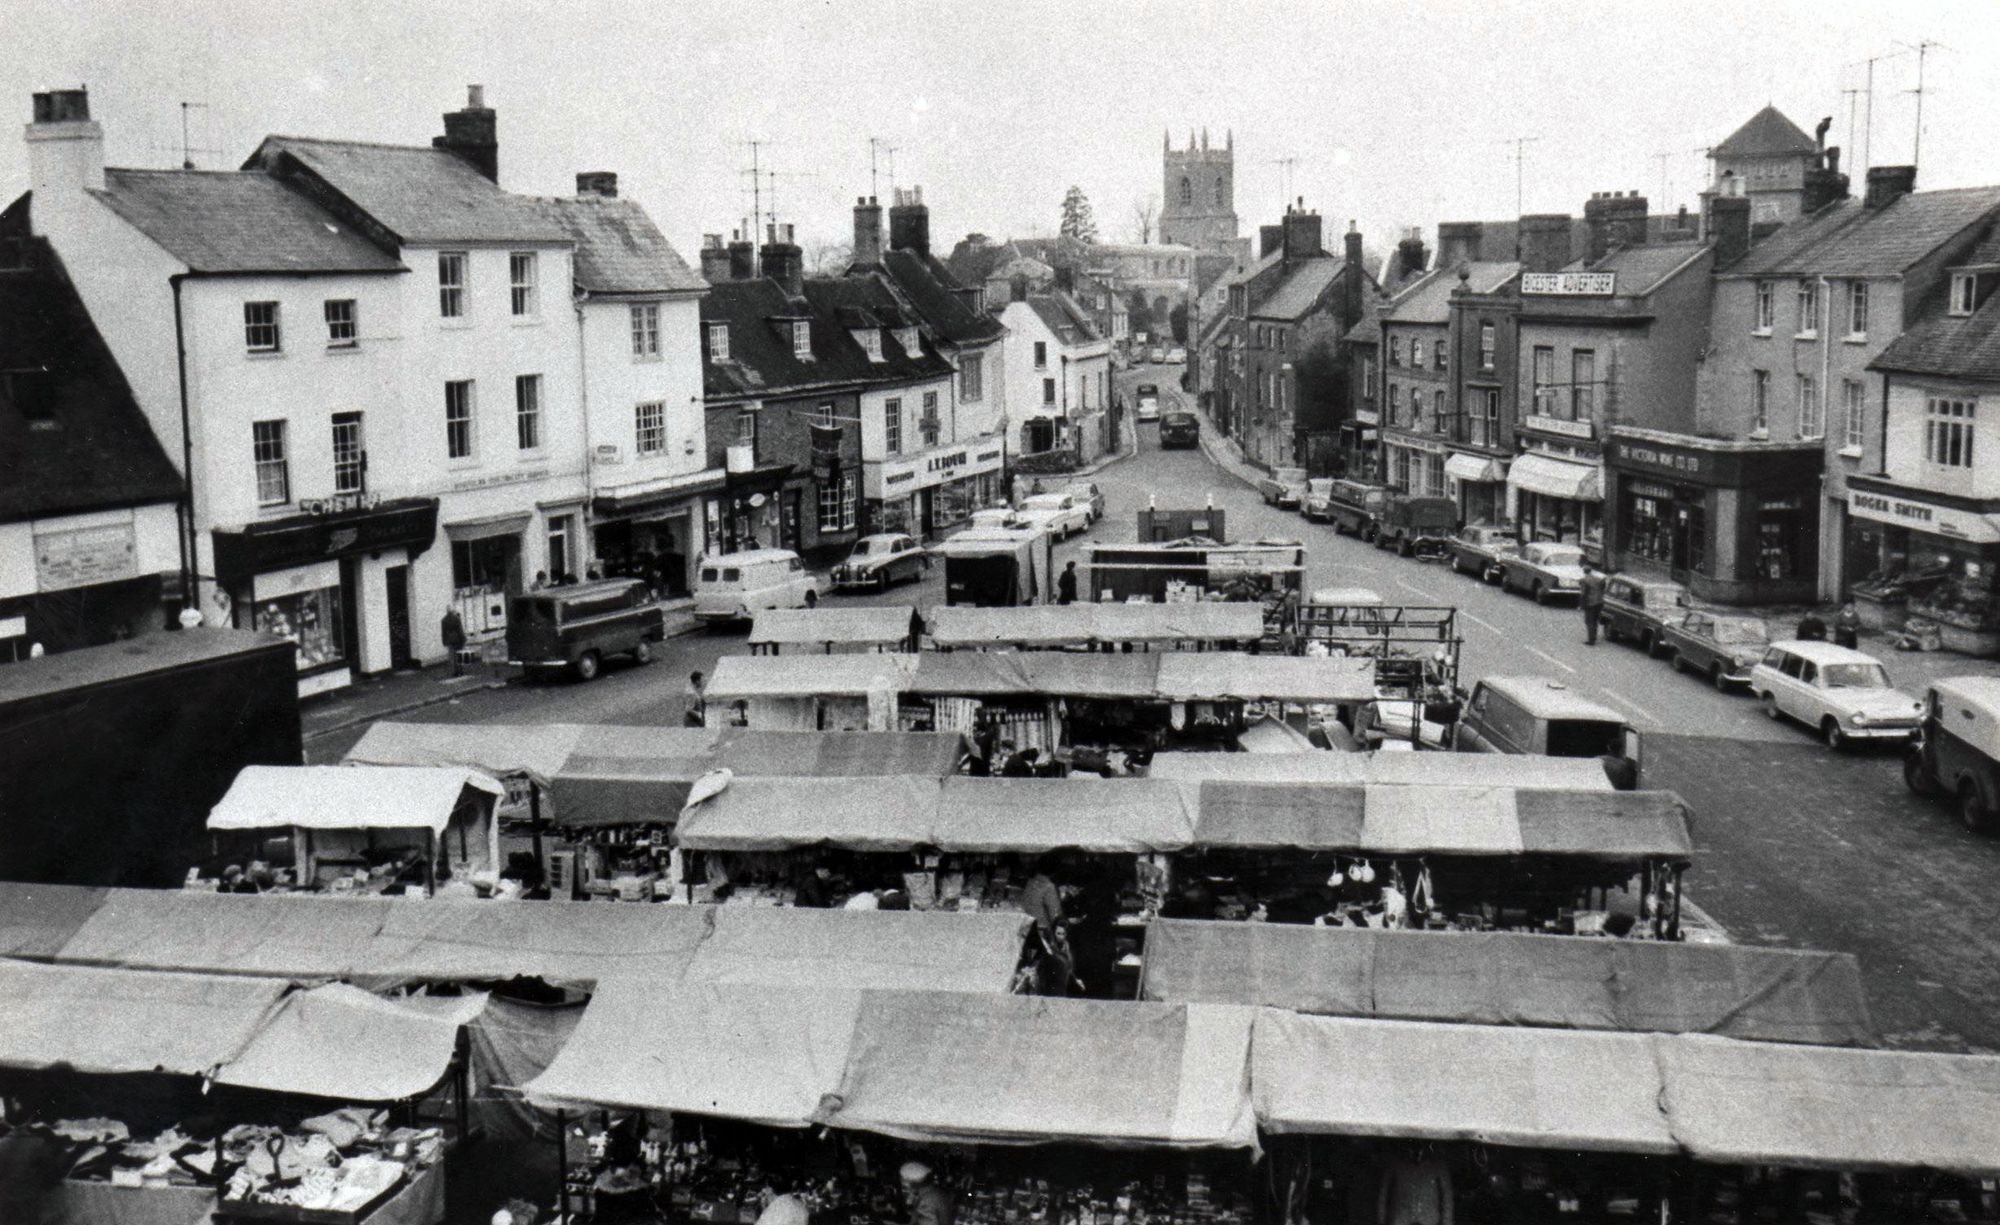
(32, 1164)
(1847, 626)
(1592, 601)
(694, 702)
(816, 890)
(928, 1202)
(1066, 585)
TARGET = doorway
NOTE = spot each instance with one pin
(788, 527)
(396, 581)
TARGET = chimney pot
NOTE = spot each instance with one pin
(601, 183)
(475, 97)
(910, 222)
(473, 135)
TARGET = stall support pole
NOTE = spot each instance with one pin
(431, 864)
(463, 1057)
(535, 828)
(1675, 931)
(562, 1162)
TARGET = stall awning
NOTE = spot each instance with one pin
(349, 797)
(766, 1054)
(37, 920)
(1504, 978)
(339, 1041)
(300, 938)
(774, 814)
(1407, 769)
(1550, 1089)
(536, 750)
(113, 1021)
(1004, 1069)
(839, 626)
(802, 947)
(567, 943)
(1188, 676)
(984, 674)
(1476, 469)
(1105, 816)
(795, 676)
(1556, 478)
(1390, 819)
(1058, 625)
(1756, 1104)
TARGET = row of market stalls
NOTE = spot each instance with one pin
(1063, 627)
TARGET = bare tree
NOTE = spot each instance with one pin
(1143, 213)
(825, 258)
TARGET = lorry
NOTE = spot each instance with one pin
(997, 567)
(111, 757)
(1416, 526)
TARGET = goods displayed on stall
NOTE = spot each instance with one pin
(349, 1161)
(1177, 626)
(825, 631)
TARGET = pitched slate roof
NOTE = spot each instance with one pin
(1767, 134)
(618, 248)
(1299, 288)
(761, 361)
(1062, 316)
(419, 193)
(1850, 239)
(928, 286)
(1639, 269)
(971, 263)
(235, 221)
(1956, 347)
(1429, 300)
(90, 447)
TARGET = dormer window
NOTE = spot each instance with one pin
(1964, 293)
(871, 342)
(718, 342)
(802, 340)
(907, 337)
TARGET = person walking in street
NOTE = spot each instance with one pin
(1066, 585)
(1593, 602)
(453, 631)
(695, 702)
(1847, 626)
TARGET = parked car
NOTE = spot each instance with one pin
(1179, 429)
(1842, 694)
(734, 586)
(577, 627)
(1089, 496)
(1148, 397)
(1545, 718)
(1479, 548)
(1417, 526)
(994, 516)
(1957, 753)
(1157, 355)
(1356, 507)
(1283, 487)
(1638, 609)
(1176, 356)
(1545, 570)
(1722, 647)
(879, 560)
(1059, 514)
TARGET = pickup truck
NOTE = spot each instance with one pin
(1417, 526)
(1284, 487)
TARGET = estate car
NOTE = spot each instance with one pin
(1479, 548)
(1723, 647)
(1842, 694)
(1638, 609)
(1545, 570)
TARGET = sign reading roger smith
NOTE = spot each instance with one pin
(1924, 516)
(85, 556)
(1570, 284)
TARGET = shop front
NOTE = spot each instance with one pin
(1479, 484)
(1737, 523)
(487, 566)
(1558, 496)
(336, 581)
(755, 509)
(93, 578)
(653, 529)
(925, 493)
(1916, 557)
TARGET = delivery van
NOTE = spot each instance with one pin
(577, 627)
(737, 586)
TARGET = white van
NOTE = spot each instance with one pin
(736, 586)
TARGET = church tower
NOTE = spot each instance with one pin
(1198, 193)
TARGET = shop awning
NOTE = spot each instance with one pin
(1059, 625)
(37, 920)
(808, 948)
(1190, 676)
(1407, 769)
(1535, 1088)
(775, 814)
(1390, 819)
(799, 676)
(1477, 469)
(1505, 978)
(1758, 1104)
(1555, 478)
(349, 797)
(339, 1041)
(762, 1054)
(113, 1021)
(989, 1069)
(536, 750)
(1104, 816)
(839, 626)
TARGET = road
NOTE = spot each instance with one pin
(1797, 846)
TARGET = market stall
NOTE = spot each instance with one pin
(1514, 770)
(809, 693)
(373, 829)
(1506, 978)
(1083, 626)
(827, 631)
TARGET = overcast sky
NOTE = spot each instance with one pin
(1396, 114)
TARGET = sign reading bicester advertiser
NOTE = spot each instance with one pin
(1571, 284)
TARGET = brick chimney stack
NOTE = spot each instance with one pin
(1302, 234)
(742, 256)
(910, 222)
(1351, 277)
(1458, 242)
(1544, 241)
(1729, 228)
(473, 133)
(602, 184)
(1887, 184)
(782, 260)
(867, 230)
(714, 259)
(1616, 219)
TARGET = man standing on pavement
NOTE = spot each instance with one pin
(1593, 602)
(453, 630)
(695, 702)
(1066, 585)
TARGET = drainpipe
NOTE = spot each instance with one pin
(190, 593)
(585, 524)
(1825, 369)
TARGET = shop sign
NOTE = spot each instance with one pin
(339, 503)
(85, 556)
(492, 479)
(924, 471)
(1557, 425)
(1570, 284)
(1646, 489)
(1413, 443)
(1924, 517)
(1653, 457)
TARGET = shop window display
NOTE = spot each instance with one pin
(309, 618)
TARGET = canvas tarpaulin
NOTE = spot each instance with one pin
(783, 627)
(339, 1041)
(804, 947)
(934, 1067)
(799, 676)
(775, 814)
(566, 943)
(1758, 1104)
(349, 797)
(536, 750)
(36, 921)
(1126, 816)
(1047, 674)
(1188, 676)
(1506, 978)
(1051, 625)
(1408, 769)
(113, 1021)
(512, 1042)
(304, 939)
(759, 1053)
(1532, 1088)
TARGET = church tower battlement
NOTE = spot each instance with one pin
(1198, 192)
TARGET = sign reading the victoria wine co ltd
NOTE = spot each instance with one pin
(1572, 284)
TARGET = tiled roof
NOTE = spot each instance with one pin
(618, 248)
(927, 285)
(95, 450)
(1062, 316)
(1299, 288)
(1767, 134)
(421, 194)
(1957, 347)
(1850, 239)
(761, 361)
(1429, 300)
(1639, 269)
(234, 221)
(972, 263)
